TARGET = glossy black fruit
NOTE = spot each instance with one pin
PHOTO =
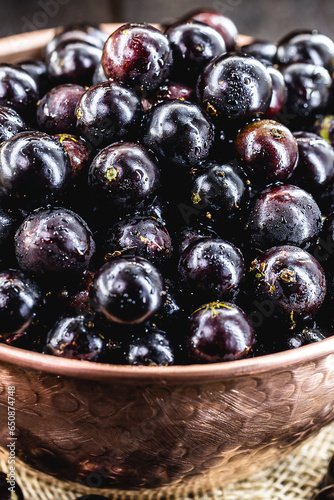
(20, 298)
(143, 236)
(264, 51)
(11, 123)
(127, 290)
(107, 113)
(153, 349)
(219, 331)
(290, 281)
(234, 88)
(124, 175)
(315, 169)
(54, 240)
(179, 133)
(18, 90)
(34, 168)
(75, 337)
(79, 32)
(193, 45)
(137, 55)
(212, 269)
(283, 215)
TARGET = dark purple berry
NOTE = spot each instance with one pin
(38, 70)
(75, 337)
(79, 152)
(234, 89)
(179, 133)
(11, 124)
(20, 298)
(5, 493)
(278, 96)
(127, 290)
(86, 33)
(56, 110)
(315, 169)
(325, 494)
(193, 45)
(263, 51)
(153, 349)
(54, 240)
(291, 281)
(212, 269)
(223, 24)
(267, 150)
(138, 56)
(283, 215)
(34, 168)
(107, 113)
(143, 236)
(219, 331)
(18, 90)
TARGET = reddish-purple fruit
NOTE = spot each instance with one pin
(55, 111)
(234, 88)
(223, 24)
(315, 169)
(138, 56)
(291, 281)
(267, 150)
(283, 215)
(79, 154)
(212, 269)
(124, 175)
(127, 290)
(10, 124)
(279, 94)
(54, 240)
(219, 331)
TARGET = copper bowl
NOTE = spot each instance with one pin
(159, 429)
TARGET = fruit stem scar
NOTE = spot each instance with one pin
(111, 174)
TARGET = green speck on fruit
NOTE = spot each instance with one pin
(79, 113)
(111, 174)
(195, 198)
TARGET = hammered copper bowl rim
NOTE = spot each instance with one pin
(104, 372)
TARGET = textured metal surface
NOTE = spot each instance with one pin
(167, 434)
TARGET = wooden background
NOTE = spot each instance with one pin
(268, 19)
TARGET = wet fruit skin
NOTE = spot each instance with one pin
(5, 494)
(309, 89)
(143, 236)
(219, 331)
(81, 32)
(75, 338)
(283, 215)
(279, 94)
(310, 47)
(38, 70)
(223, 24)
(10, 123)
(179, 133)
(264, 51)
(20, 298)
(221, 190)
(326, 245)
(191, 233)
(79, 154)
(127, 290)
(153, 349)
(124, 175)
(138, 56)
(212, 269)
(18, 90)
(54, 240)
(108, 112)
(73, 62)
(55, 111)
(291, 281)
(267, 150)
(34, 168)
(234, 88)
(315, 169)
(193, 45)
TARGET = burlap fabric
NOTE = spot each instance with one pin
(296, 477)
